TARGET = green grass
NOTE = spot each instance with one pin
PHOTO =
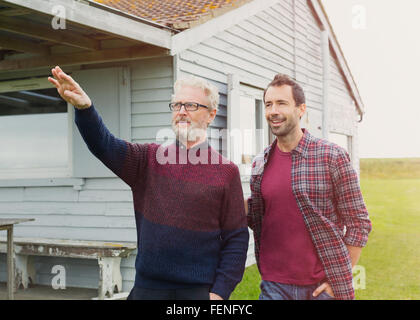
(392, 255)
(249, 287)
(391, 189)
(408, 168)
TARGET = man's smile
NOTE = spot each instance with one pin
(276, 122)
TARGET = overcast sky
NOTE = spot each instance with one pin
(383, 52)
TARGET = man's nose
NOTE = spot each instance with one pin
(182, 111)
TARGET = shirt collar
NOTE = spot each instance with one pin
(301, 148)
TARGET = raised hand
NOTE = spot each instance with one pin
(69, 89)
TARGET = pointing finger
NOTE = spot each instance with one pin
(57, 76)
(58, 73)
(66, 77)
(54, 82)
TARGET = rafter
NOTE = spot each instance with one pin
(22, 45)
(12, 12)
(107, 55)
(39, 31)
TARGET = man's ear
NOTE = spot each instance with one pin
(212, 115)
(302, 110)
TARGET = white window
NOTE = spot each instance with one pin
(247, 125)
(38, 136)
(33, 131)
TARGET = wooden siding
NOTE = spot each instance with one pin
(152, 88)
(284, 38)
(102, 210)
(341, 103)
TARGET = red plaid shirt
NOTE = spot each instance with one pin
(327, 191)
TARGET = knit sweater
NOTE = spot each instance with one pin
(190, 218)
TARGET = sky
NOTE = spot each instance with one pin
(380, 42)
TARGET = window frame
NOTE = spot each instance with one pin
(7, 175)
(67, 176)
(237, 87)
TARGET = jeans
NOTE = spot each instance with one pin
(278, 291)
(196, 293)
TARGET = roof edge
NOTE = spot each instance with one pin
(83, 13)
(105, 7)
(343, 65)
(211, 15)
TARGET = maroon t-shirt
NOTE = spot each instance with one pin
(287, 254)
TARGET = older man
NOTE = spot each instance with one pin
(191, 226)
(306, 209)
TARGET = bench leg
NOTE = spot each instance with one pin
(109, 276)
(10, 264)
(24, 271)
(21, 271)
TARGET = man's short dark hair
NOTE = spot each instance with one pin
(282, 80)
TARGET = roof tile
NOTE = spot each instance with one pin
(178, 14)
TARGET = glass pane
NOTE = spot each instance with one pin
(33, 130)
(248, 128)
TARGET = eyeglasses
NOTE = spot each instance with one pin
(189, 106)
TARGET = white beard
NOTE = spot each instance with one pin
(191, 133)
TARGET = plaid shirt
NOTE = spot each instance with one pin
(328, 195)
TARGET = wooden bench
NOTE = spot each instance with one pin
(108, 254)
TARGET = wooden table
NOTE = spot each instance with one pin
(7, 224)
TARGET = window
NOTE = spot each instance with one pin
(33, 131)
(38, 136)
(249, 133)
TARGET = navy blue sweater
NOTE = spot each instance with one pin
(191, 223)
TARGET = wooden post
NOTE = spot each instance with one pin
(10, 267)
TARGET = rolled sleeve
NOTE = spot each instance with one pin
(357, 237)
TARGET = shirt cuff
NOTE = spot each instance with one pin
(356, 238)
(222, 289)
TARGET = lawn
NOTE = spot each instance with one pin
(248, 288)
(391, 189)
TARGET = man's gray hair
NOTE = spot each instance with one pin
(210, 90)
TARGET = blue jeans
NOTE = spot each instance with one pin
(279, 291)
